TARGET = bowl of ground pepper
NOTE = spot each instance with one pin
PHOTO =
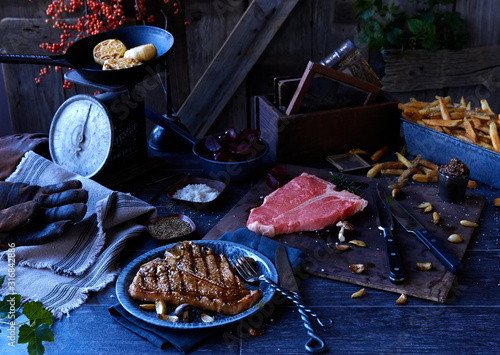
(172, 226)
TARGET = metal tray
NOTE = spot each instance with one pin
(439, 148)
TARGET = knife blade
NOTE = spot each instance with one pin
(285, 272)
(383, 216)
(450, 261)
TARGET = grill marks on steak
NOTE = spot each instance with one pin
(196, 275)
(306, 203)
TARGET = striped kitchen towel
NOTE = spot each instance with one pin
(60, 274)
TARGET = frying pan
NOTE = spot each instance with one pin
(79, 55)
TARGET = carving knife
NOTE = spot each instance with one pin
(385, 224)
(409, 222)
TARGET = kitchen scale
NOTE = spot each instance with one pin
(93, 133)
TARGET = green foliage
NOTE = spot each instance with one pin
(386, 26)
(343, 183)
(36, 329)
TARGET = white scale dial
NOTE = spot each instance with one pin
(81, 135)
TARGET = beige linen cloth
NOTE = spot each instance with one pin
(61, 274)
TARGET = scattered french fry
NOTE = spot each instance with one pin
(403, 160)
(379, 154)
(496, 202)
(392, 171)
(471, 184)
(358, 151)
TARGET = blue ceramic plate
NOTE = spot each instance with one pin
(264, 265)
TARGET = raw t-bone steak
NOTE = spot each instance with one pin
(306, 203)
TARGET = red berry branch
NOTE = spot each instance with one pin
(96, 16)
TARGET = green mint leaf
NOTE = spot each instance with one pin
(37, 315)
(34, 337)
(416, 26)
(9, 306)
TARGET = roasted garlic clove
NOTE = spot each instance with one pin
(359, 293)
(425, 266)
(496, 202)
(426, 206)
(343, 247)
(435, 217)
(161, 307)
(467, 223)
(168, 317)
(206, 318)
(358, 243)
(357, 268)
(401, 299)
(396, 192)
(455, 238)
(148, 306)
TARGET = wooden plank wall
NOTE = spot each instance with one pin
(312, 30)
(484, 30)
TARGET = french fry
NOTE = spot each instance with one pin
(424, 178)
(420, 178)
(392, 171)
(471, 184)
(379, 154)
(495, 140)
(444, 110)
(375, 170)
(415, 103)
(394, 165)
(403, 160)
(403, 178)
(470, 130)
(358, 151)
(485, 106)
(442, 122)
(429, 164)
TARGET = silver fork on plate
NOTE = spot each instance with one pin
(248, 272)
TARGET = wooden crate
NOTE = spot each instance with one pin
(312, 136)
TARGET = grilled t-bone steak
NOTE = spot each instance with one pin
(306, 203)
(193, 274)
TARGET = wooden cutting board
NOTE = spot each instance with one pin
(324, 260)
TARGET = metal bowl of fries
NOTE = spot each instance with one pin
(441, 130)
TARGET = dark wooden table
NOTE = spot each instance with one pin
(468, 323)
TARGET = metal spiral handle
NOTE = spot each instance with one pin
(295, 298)
(315, 344)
